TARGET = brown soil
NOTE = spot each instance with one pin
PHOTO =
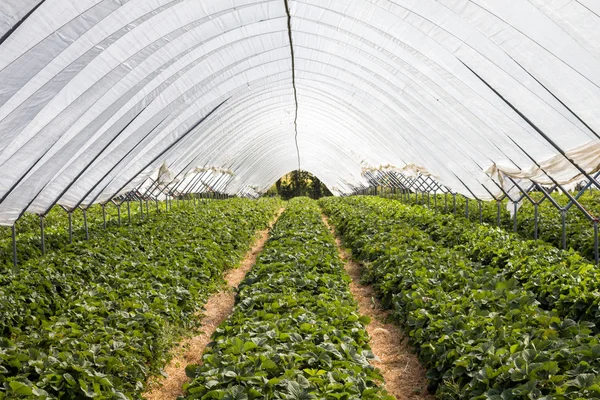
(218, 307)
(403, 374)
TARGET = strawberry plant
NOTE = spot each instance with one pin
(56, 230)
(580, 234)
(561, 280)
(295, 332)
(95, 319)
(481, 332)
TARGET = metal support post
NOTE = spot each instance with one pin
(42, 234)
(563, 213)
(516, 210)
(499, 206)
(70, 227)
(104, 216)
(480, 212)
(129, 211)
(85, 225)
(454, 202)
(596, 255)
(14, 235)
(446, 203)
(535, 221)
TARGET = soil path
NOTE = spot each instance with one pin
(404, 376)
(218, 308)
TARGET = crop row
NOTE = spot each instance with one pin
(97, 318)
(480, 331)
(561, 280)
(56, 228)
(295, 332)
(579, 230)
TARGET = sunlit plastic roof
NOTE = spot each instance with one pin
(97, 95)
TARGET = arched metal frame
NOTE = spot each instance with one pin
(388, 182)
(97, 95)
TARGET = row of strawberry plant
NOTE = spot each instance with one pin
(295, 332)
(561, 280)
(481, 334)
(97, 318)
(56, 228)
(579, 230)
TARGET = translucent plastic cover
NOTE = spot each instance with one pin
(96, 96)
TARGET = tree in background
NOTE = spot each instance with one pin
(299, 183)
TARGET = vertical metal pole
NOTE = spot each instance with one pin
(104, 216)
(454, 202)
(147, 208)
(467, 207)
(119, 214)
(596, 255)
(516, 210)
(480, 212)
(564, 228)
(446, 203)
(43, 234)
(14, 235)
(129, 211)
(70, 227)
(85, 225)
(498, 205)
(535, 221)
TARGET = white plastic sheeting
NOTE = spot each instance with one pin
(97, 95)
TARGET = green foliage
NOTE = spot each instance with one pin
(560, 280)
(473, 309)
(295, 332)
(579, 230)
(56, 230)
(300, 183)
(97, 318)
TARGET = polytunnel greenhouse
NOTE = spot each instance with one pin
(299, 199)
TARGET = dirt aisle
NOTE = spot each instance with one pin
(218, 307)
(404, 376)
